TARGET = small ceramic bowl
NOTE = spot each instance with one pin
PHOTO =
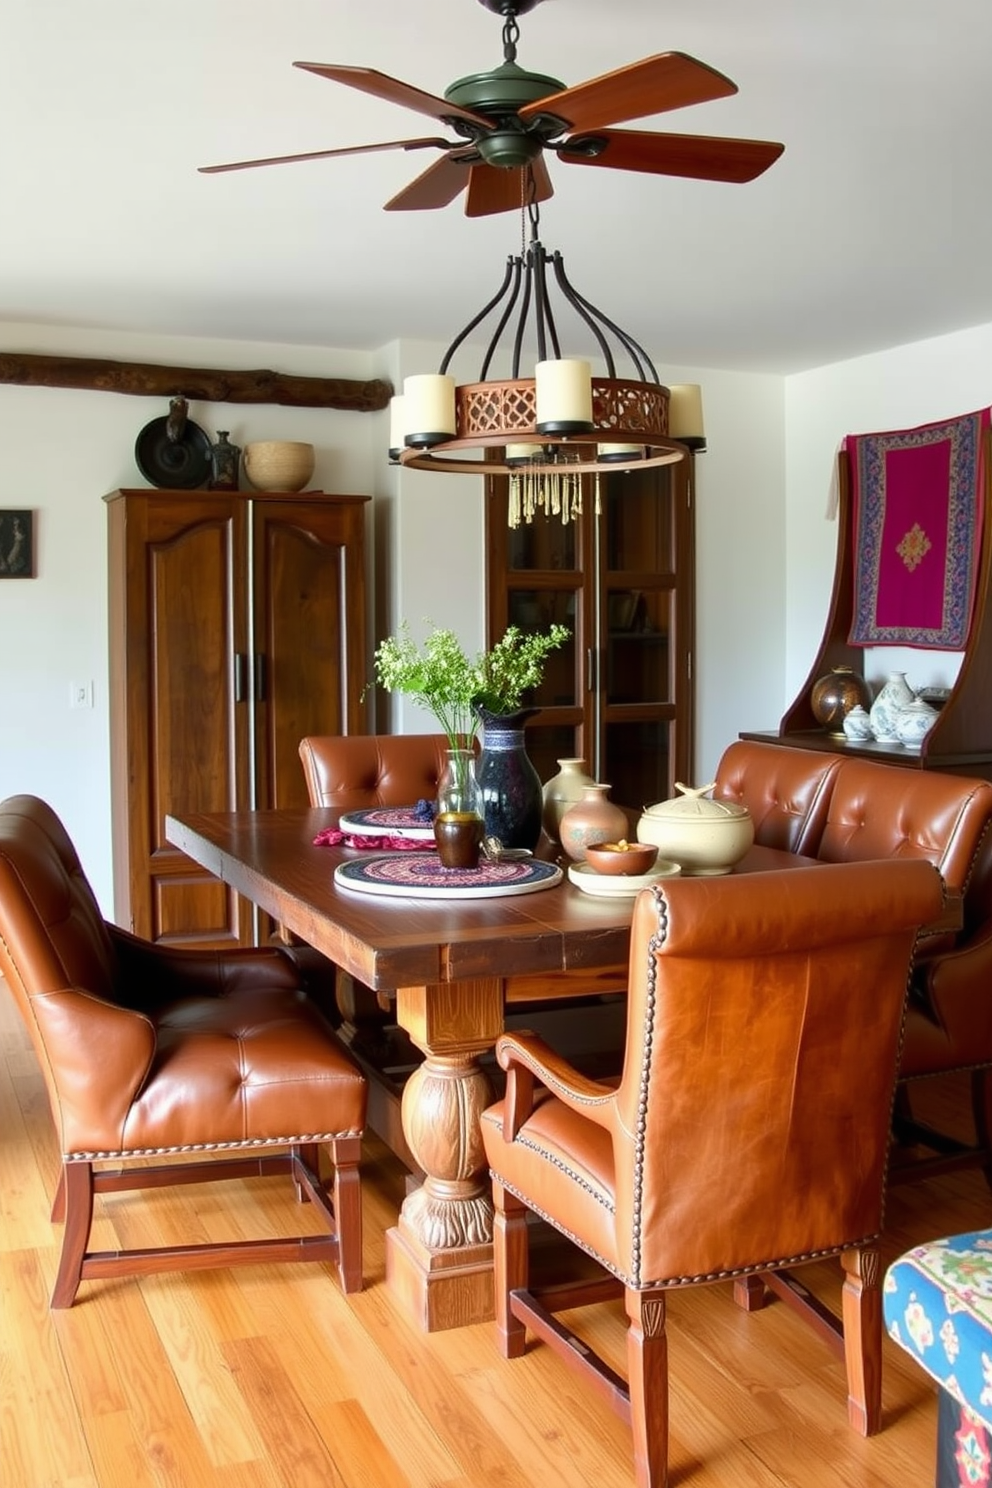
(622, 857)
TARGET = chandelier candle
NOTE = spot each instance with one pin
(428, 409)
(564, 396)
(397, 426)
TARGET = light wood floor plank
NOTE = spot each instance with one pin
(268, 1377)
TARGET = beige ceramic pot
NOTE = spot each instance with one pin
(278, 464)
(704, 836)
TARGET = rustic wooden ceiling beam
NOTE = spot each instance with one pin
(201, 384)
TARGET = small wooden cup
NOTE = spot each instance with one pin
(458, 835)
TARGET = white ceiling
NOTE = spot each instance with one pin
(873, 229)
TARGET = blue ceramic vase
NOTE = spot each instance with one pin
(511, 789)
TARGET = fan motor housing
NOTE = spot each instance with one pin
(502, 91)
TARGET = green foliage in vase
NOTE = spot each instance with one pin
(442, 678)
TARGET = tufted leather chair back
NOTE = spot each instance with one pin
(876, 811)
(787, 791)
(52, 934)
(352, 771)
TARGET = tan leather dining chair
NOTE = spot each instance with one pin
(787, 791)
(351, 771)
(748, 1133)
(215, 1058)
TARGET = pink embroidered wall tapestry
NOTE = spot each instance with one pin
(918, 498)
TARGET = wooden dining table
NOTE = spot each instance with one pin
(453, 968)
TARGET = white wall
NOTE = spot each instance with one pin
(61, 451)
(896, 389)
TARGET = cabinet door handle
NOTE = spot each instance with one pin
(240, 676)
(591, 670)
(260, 678)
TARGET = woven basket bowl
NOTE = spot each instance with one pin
(278, 465)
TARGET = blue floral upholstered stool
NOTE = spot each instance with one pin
(937, 1302)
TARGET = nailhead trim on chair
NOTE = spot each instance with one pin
(657, 940)
(782, 1263)
(120, 1156)
(570, 1173)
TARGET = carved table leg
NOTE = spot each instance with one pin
(439, 1257)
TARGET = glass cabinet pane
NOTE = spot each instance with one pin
(638, 668)
(637, 507)
(543, 544)
(546, 746)
(636, 763)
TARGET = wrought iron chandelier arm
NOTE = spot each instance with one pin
(476, 319)
(591, 314)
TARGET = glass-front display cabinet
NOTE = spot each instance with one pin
(620, 575)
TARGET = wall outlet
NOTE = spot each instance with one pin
(80, 694)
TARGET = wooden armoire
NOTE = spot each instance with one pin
(237, 625)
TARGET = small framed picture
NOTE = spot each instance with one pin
(16, 544)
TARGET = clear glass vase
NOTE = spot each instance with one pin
(458, 825)
(458, 790)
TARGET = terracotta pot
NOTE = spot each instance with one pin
(595, 818)
(561, 792)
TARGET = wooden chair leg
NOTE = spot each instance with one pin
(981, 1109)
(862, 1317)
(347, 1197)
(750, 1292)
(308, 1153)
(58, 1203)
(75, 1198)
(511, 1267)
(647, 1375)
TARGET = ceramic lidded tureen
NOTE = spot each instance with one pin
(704, 836)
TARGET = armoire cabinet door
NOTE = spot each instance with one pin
(236, 627)
(309, 634)
(179, 708)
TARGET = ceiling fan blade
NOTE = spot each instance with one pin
(409, 144)
(669, 80)
(494, 189)
(435, 187)
(367, 80)
(700, 157)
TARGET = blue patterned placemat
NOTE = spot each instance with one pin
(415, 875)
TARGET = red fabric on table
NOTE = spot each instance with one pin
(332, 837)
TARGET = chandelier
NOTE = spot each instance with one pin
(546, 431)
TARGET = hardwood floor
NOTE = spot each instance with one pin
(262, 1377)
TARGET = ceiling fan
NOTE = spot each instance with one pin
(507, 119)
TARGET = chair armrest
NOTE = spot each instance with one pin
(957, 990)
(152, 974)
(93, 1093)
(526, 1056)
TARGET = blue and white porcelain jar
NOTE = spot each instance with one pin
(894, 696)
(914, 723)
(857, 725)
